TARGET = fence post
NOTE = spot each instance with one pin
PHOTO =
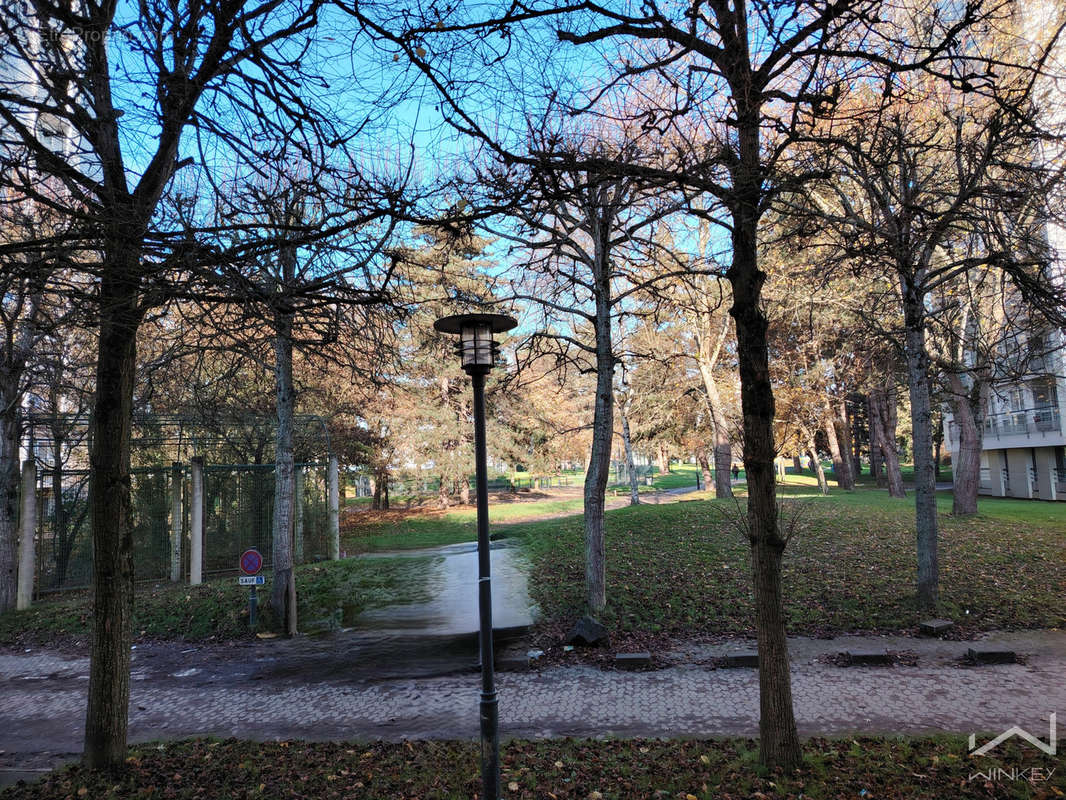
(177, 478)
(196, 522)
(28, 519)
(334, 510)
(298, 516)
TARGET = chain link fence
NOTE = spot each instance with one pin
(238, 512)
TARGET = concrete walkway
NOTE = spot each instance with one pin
(263, 690)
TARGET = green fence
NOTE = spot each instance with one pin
(238, 514)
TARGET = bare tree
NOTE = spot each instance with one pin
(181, 81)
(587, 230)
(742, 82)
(909, 188)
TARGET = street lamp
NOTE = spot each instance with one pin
(477, 353)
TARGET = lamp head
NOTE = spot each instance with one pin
(477, 349)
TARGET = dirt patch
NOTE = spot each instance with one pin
(549, 637)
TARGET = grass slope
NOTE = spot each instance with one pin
(683, 569)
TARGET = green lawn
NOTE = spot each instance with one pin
(683, 569)
(412, 530)
(678, 569)
(563, 769)
(218, 609)
(401, 530)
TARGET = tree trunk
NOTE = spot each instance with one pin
(823, 484)
(938, 444)
(634, 492)
(876, 470)
(816, 463)
(284, 473)
(705, 467)
(602, 430)
(664, 460)
(967, 468)
(442, 493)
(778, 739)
(841, 468)
(20, 337)
(10, 478)
(109, 502)
(854, 428)
(797, 465)
(843, 430)
(381, 489)
(922, 431)
(723, 447)
(883, 421)
(464, 490)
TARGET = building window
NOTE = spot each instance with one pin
(1045, 393)
(1015, 399)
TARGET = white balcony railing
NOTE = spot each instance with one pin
(1023, 423)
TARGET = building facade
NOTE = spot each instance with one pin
(1024, 442)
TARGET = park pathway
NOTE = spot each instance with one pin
(262, 690)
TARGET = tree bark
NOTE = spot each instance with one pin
(841, 468)
(664, 460)
(106, 717)
(381, 490)
(967, 468)
(602, 432)
(20, 339)
(922, 431)
(854, 429)
(843, 431)
(778, 739)
(705, 468)
(627, 443)
(883, 421)
(9, 492)
(876, 467)
(816, 463)
(723, 447)
(284, 472)
(823, 484)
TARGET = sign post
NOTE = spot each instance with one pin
(250, 564)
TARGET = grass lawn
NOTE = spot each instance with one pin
(564, 769)
(412, 530)
(218, 609)
(427, 527)
(676, 569)
(683, 569)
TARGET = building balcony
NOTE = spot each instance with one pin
(1028, 422)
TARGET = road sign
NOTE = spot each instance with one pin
(251, 580)
(251, 562)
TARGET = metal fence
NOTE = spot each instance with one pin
(238, 511)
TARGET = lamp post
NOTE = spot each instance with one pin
(477, 353)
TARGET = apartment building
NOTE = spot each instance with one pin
(1024, 443)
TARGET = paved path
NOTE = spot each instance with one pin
(264, 691)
